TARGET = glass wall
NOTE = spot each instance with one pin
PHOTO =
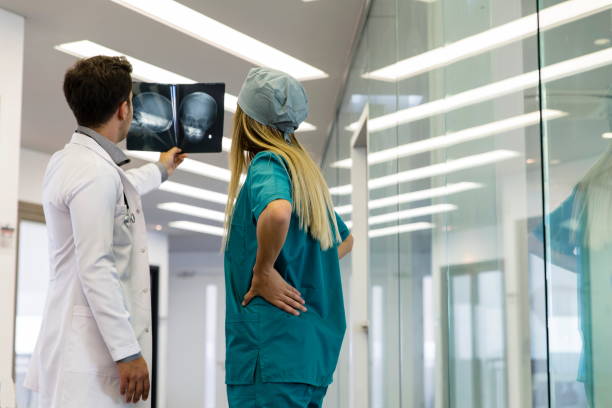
(578, 165)
(488, 201)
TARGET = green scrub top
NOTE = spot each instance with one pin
(289, 349)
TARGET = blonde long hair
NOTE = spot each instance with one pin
(311, 199)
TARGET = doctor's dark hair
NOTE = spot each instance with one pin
(95, 87)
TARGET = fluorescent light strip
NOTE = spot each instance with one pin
(226, 144)
(193, 211)
(212, 32)
(194, 192)
(400, 229)
(231, 103)
(442, 168)
(414, 196)
(507, 86)
(207, 170)
(454, 138)
(189, 165)
(143, 71)
(411, 213)
(341, 190)
(497, 37)
(306, 127)
(447, 167)
(197, 227)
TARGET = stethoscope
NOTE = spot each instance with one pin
(129, 218)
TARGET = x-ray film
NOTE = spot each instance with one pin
(189, 116)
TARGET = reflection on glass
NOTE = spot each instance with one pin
(477, 344)
(487, 301)
(578, 223)
(496, 37)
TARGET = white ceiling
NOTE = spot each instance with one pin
(320, 33)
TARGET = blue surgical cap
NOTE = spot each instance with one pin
(275, 99)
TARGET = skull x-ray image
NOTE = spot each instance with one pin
(197, 115)
(153, 111)
(189, 116)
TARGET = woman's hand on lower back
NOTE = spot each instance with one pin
(270, 285)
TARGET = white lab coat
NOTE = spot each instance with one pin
(98, 307)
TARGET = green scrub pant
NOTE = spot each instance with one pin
(275, 395)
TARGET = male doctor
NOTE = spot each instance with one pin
(94, 347)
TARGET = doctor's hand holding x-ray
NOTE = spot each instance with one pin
(95, 344)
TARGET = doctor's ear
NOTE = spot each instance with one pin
(124, 110)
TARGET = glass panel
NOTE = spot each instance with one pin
(578, 202)
(32, 283)
(457, 294)
(337, 394)
(387, 384)
(419, 30)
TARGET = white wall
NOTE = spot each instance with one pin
(32, 165)
(196, 339)
(11, 77)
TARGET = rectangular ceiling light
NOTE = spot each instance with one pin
(341, 190)
(400, 229)
(226, 144)
(433, 170)
(447, 167)
(487, 92)
(497, 37)
(219, 35)
(194, 192)
(206, 170)
(189, 165)
(193, 211)
(231, 103)
(143, 71)
(413, 196)
(450, 139)
(411, 213)
(197, 227)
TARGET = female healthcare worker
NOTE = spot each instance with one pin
(285, 316)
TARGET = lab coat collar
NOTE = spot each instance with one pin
(91, 144)
(113, 151)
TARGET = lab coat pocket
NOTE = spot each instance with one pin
(86, 351)
(122, 232)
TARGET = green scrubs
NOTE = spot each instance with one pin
(275, 395)
(285, 348)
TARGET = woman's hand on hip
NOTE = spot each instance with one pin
(270, 285)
